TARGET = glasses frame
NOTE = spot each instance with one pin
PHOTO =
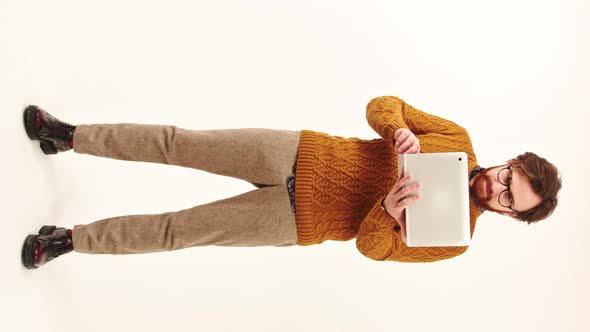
(507, 185)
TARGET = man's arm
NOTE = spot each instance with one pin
(380, 234)
(387, 114)
(380, 238)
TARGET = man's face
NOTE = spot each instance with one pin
(490, 184)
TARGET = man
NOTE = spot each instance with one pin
(312, 186)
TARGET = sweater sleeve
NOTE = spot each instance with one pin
(387, 114)
(379, 238)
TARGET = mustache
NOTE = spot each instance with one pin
(488, 188)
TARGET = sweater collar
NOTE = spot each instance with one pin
(476, 170)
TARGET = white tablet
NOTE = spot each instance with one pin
(441, 216)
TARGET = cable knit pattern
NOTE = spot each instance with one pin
(340, 182)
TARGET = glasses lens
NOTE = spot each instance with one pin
(505, 199)
(503, 176)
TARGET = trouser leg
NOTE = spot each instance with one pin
(257, 218)
(261, 156)
(262, 217)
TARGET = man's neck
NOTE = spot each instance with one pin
(476, 170)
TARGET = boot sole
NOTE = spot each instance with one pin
(29, 118)
(27, 252)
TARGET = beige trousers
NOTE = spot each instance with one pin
(262, 217)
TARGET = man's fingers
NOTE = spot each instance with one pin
(405, 146)
(407, 201)
(398, 142)
(399, 185)
(407, 190)
(399, 133)
(415, 148)
(397, 204)
(402, 137)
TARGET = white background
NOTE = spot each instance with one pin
(514, 73)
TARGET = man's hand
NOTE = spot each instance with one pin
(399, 198)
(406, 141)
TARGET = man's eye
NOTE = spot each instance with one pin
(509, 197)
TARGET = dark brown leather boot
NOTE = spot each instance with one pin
(51, 243)
(55, 135)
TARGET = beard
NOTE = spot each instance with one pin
(481, 190)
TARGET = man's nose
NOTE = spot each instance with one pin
(497, 188)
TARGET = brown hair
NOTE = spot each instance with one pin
(546, 183)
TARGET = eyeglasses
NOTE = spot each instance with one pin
(505, 198)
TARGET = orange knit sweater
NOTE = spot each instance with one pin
(340, 182)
